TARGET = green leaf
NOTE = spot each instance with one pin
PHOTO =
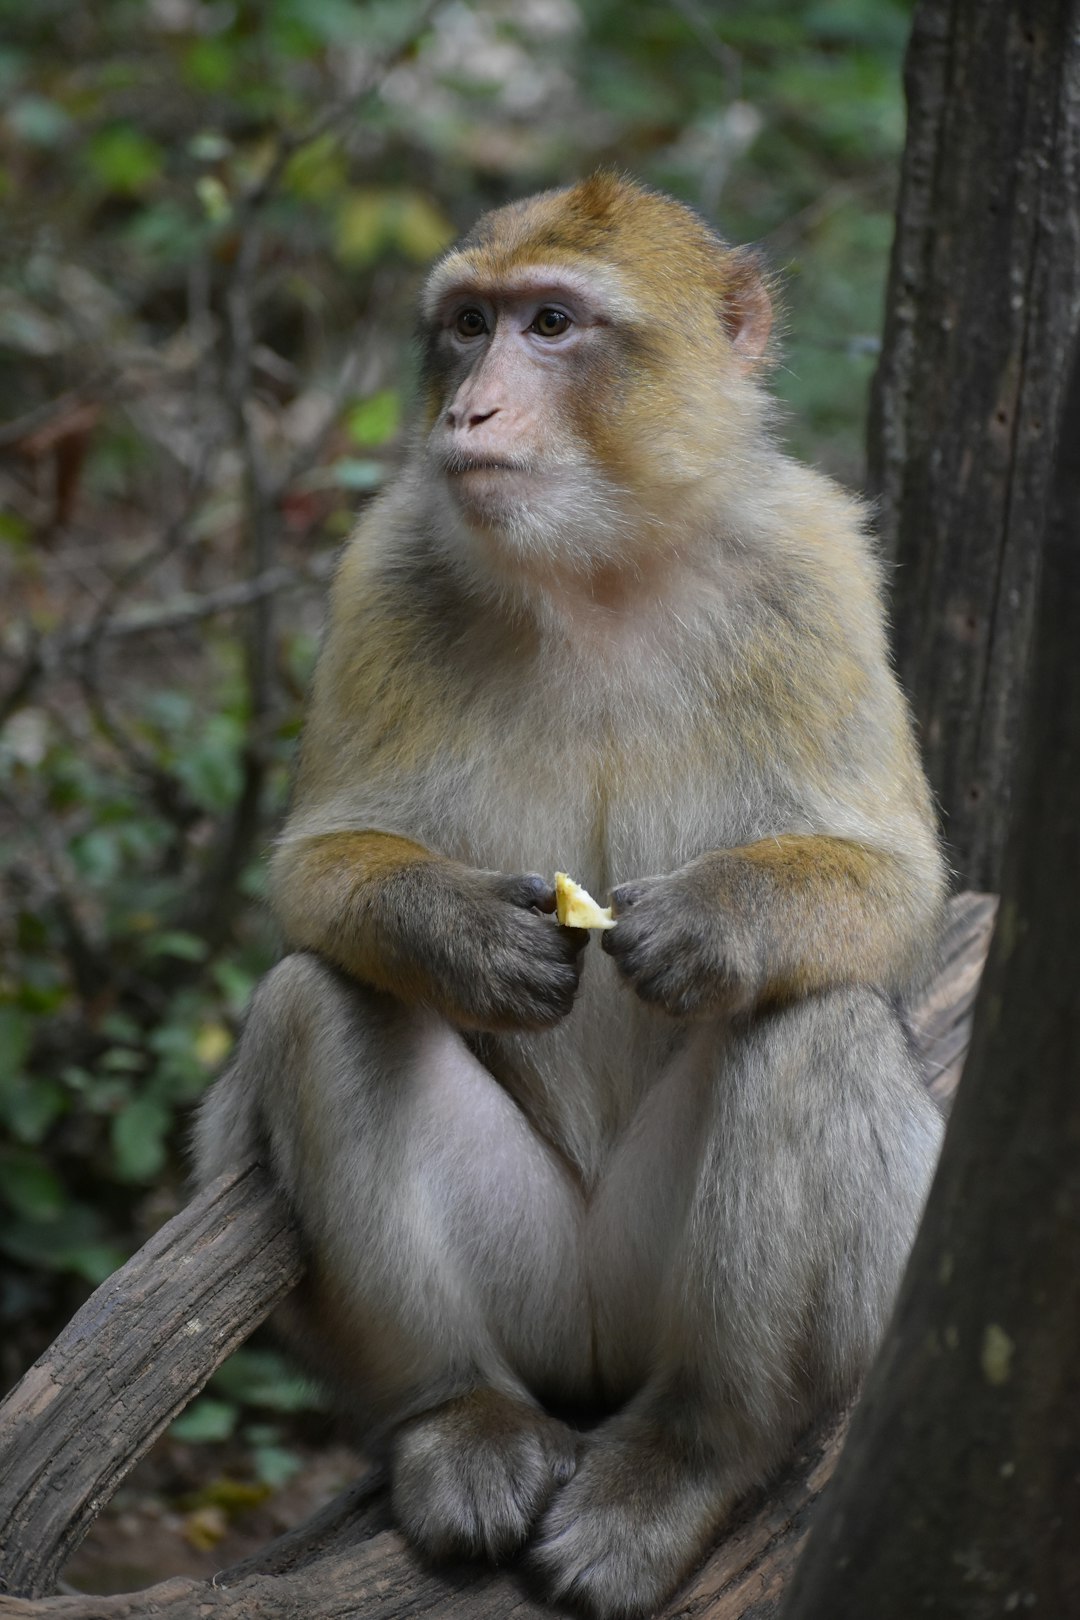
(235, 983)
(209, 146)
(206, 1419)
(275, 1465)
(376, 419)
(188, 947)
(108, 1096)
(16, 1027)
(125, 160)
(350, 474)
(15, 531)
(122, 1060)
(30, 1105)
(96, 855)
(214, 198)
(265, 1378)
(370, 221)
(262, 1434)
(119, 1026)
(318, 172)
(31, 1189)
(70, 1243)
(210, 767)
(37, 121)
(208, 64)
(93, 1261)
(138, 1139)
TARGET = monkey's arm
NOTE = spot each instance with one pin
(426, 929)
(775, 920)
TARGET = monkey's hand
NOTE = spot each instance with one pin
(680, 951)
(773, 921)
(474, 945)
(426, 929)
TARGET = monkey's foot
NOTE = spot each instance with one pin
(628, 1527)
(473, 1476)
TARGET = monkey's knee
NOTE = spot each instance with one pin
(878, 1138)
(298, 993)
(297, 1002)
(818, 1164)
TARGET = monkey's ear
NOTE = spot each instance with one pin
(747, 308)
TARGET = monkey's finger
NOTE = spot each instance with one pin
(626, 895)
(560, 943)
(551, 997)
(624, 942)
(527, 890)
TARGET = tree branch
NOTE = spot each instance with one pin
(129, 1362)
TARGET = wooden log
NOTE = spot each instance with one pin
(146, 1342)
(128, 1362)
(380, 1578)
(941, 1017)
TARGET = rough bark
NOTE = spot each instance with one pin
(128, 1363)
(378, 1578)
(132, 1358)
(959, 1491)
(982, 304)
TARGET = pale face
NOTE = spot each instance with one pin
(524, 367)
(586, 415)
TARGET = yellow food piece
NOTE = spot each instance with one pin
(576, 908)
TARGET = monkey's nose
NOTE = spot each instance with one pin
(470, 419)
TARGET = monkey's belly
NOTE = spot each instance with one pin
(631, 1167)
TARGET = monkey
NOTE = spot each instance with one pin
(595, 1230)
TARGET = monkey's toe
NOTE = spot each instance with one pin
(619, 1539)
(472, 1477)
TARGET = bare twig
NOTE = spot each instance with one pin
(58, 884)
(697, 18)
(332, 116)
(226, 599)
(47, 654)
(163, 785)
(21, 427)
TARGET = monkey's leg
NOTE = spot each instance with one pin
(818, 1147)
(444, 1240)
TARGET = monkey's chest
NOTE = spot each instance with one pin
(545, 799)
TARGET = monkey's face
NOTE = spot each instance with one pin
(518, 370)
(588, 367)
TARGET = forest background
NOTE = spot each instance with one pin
(216, 217)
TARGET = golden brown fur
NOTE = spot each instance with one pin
(601, 624)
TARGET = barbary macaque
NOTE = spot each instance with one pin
(661, 1179)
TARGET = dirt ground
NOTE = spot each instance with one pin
(193, 1510)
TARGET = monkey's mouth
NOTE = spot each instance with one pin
(458, 462)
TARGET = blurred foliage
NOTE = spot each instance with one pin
(216, 215)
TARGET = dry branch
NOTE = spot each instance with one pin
(128, 1363)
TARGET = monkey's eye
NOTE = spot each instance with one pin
(470, 323)
(551, 323)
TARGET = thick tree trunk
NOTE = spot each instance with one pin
(981, 309)
(958, 1493)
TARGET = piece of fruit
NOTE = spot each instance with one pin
(576, 908)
